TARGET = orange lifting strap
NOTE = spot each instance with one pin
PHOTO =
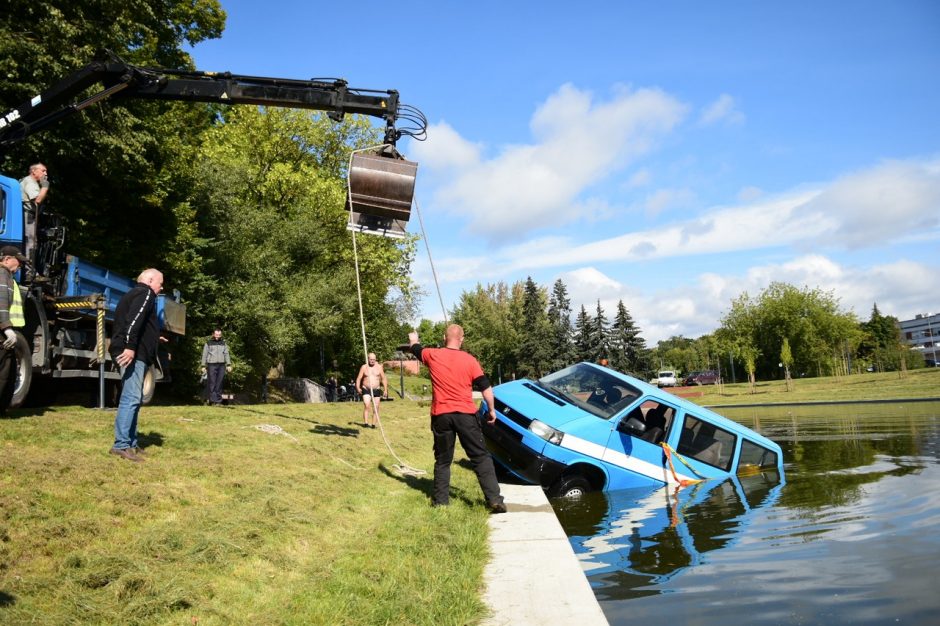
(381, 189)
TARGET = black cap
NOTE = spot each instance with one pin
(14, 252)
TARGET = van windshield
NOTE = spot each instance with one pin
(591, 389)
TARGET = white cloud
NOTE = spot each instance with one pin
(664, 199)
(695, 307)
(724, 109)
(578, 142)
(445, 149)
(882, 203)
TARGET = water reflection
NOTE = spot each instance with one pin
(852, 537)
(627, 540)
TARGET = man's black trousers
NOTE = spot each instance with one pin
(215, 372)
(447, 427)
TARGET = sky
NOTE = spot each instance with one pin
(672, 155)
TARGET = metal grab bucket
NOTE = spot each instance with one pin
(381, 190)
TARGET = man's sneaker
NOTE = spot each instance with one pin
(497, 507)
(126, 453)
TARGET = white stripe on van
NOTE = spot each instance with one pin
(627, 462)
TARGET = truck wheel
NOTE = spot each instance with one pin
(571, 487)
(150, 385)
(24, 370)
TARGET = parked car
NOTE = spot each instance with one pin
(665, 378)
(704, 377)
(588, 428)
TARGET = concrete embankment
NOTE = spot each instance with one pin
(533, 576)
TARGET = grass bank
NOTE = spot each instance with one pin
(230, 522)
(921, 383)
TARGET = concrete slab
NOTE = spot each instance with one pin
(533, 576)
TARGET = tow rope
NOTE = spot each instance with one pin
(683, 482)
(402, 467)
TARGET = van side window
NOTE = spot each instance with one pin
(3, 210)
(649, 421)
(755, 458)
(706, 442)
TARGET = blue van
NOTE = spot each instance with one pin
(588, 428)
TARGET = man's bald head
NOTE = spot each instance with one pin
(453, 336)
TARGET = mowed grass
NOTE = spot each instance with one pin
(229, 523)
(920, 383)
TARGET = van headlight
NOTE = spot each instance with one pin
(546, 432)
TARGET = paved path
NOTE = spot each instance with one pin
(533, 576)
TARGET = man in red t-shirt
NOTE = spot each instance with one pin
(454, 375)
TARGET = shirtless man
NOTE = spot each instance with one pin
(371, 384)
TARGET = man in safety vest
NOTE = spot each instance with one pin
(11, 315)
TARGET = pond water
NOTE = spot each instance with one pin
(850, 535)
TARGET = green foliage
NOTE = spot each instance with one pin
(490, 334)
(582, 335)
(111, 161)
(561, 344)
(534, 354)
(820, 335)
(628, 352)
(272, 200)
(881, 345)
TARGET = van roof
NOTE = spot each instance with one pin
(691, 407)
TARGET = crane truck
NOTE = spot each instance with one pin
(69, 302)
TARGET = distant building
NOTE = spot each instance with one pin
(409, 365)
(921, 334)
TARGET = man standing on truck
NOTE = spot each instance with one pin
(215, 362)
(454, 374)
(34, 189)
(134, 342)
(11, 314)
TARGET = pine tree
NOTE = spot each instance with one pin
(600, 336)
(534, 348)
(582, 335)
(562, 350)
(627, 349)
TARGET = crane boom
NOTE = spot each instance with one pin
(119, 79)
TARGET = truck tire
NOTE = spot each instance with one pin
(150, 385)
(572, 487)
(24, 370)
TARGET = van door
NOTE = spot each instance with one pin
(633, 453)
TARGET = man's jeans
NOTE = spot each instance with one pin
(125, 422)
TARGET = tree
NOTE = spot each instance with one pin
(627, 348)
(582, 335)
(819, 333)
(534, 354)
(271, 197)
(121, 157)
(786, 358)
(490, 334)
(677, 352)
(599, 340)
(562, 350)
(881, 344)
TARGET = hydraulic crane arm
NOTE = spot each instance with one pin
(122, 80)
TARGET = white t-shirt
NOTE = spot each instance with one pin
(30, 188)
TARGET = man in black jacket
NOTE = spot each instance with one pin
(134, 343)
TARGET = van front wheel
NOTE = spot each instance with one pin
(570, 487)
